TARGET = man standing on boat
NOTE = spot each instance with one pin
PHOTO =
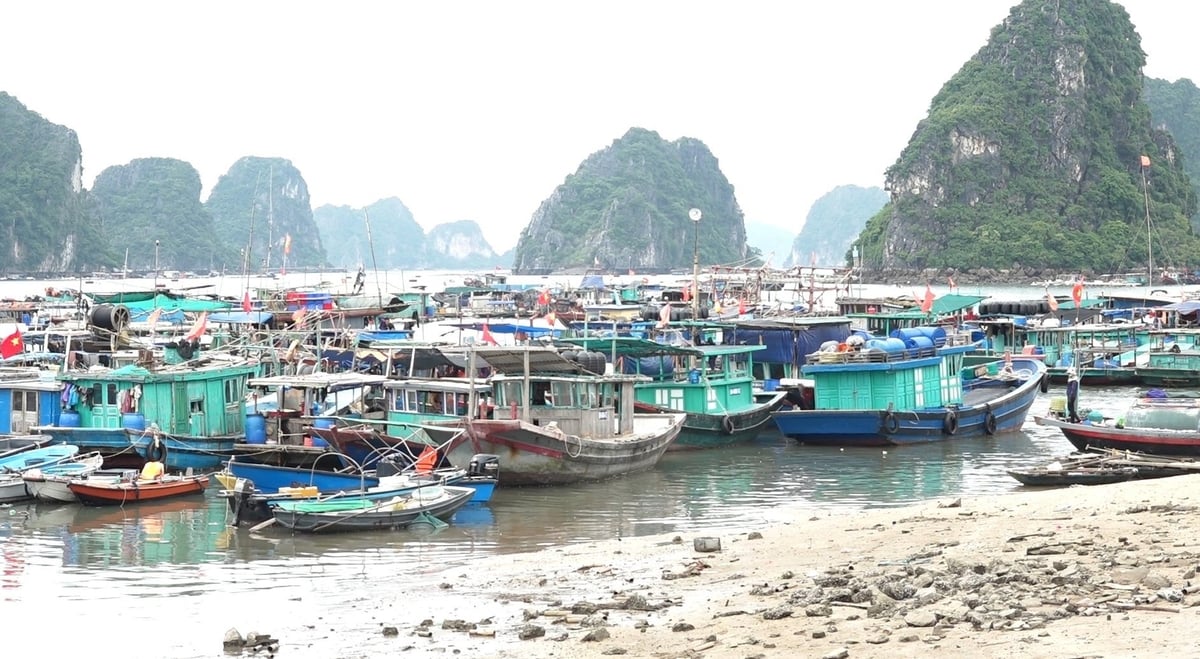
(1072, 395)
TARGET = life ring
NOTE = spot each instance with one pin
(156, 451)
(891, 424)
(727, 425)
(950, 422)
(1044, 385)
(989, 422)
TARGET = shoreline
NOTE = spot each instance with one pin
(1098, 571)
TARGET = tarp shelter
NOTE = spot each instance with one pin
(241, 317)
(787, 341)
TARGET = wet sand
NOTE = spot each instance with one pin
(1103, 571)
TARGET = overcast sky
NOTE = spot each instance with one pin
(477, 110)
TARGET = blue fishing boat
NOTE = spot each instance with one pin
(12, 483)
(711, 384)
(184, 416)
(270, 478)
(909, 388)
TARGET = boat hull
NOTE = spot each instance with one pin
(183, 451)
(1168, 377)
(115, 494)
(12, 488)
(270, 478)
(294, 515)
(986, 410)
(1099, 377)
(705, 431)
(535, 455)
(1085, 436)
(366, 446)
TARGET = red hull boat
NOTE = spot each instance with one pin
(115, 493)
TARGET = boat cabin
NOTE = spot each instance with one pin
(434, 400)
(292, 403)
(202, 400)
(29, 397)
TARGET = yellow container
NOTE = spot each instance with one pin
(299, 492)
(1058, 404)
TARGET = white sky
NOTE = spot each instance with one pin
(477, 110)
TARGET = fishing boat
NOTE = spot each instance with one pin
(1150, 425)
(711, 384)
(50, 483)
(187, 416)
(555, 422)
(911, 387)
(1101, 468)
(1173, 361)
(360, 513)
(129, 487)
(327, 474)
(12, 483)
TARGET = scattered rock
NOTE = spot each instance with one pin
(706, 544)
(615, 651)
(390, 631)
(840, 653)
(682, 627)
(877, 639)
(920, 618)
(528, 632)
(818, 611)
(754, 535)
(778, 613)
(595, 635)
(234, 640)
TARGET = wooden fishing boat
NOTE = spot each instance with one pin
(361, 513)
(1154, 426)
(12, 468)
(1102, 468)
(911, 388)
(51, 483)
(711, 384)
(554, 422)
(123, 489)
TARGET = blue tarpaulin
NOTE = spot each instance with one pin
(786, 344)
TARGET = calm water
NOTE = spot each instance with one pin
(175, 571)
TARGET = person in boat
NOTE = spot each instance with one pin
(152, 471)
(1072, 395)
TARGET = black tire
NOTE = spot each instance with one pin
(950, 422)
(727, 425)
(989, 423)
(891, 424)
(1044, 385)
(156, 450)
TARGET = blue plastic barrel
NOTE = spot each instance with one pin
(892, 346)
(69, 419)
(322, 422)
(256, 429)
(694, 376)
(771, 384)
(133, 421)
(920, 343)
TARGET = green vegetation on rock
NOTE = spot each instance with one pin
(1176, 107)
(1030, 156)
(833, 222)
(627, 207)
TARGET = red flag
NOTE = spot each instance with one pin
(1051, 301)
(13, 345)
(487, 336)
(544, 297)
(198, 329)
(1145, 161)
(551, 319)
(1077, 292)
(152, 319)
(927, 303)
(741, 306)
(687, 294)
(246, 306)
(951, 281)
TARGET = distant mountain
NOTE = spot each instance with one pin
(263, 204)
(399, 242)
(833, 223)
(627, 207)
(153, 205)
(41, 196)
(1176, 107)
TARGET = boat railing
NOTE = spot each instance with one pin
(869, 356)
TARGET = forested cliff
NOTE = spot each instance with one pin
(1031, 155)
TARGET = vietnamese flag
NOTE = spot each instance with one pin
(1053, 303)
(927, 303)
(13, 345)
(1145, 161)
(487, 336)
(246, 306)
(1077, 292)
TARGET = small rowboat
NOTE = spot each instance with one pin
(51, 483)
(360, 513)
(114, 492)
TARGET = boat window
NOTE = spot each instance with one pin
(18, 402)
(410, 401)
(111, 394)
(508, 392)
(562, 394)
(197, 406)
(31, 401)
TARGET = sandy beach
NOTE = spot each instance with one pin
(1104, 571)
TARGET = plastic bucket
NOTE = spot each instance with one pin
(320, 422)
(69, 419)
(133, 421)
(256, 429)
(770, 385)
(694, 376)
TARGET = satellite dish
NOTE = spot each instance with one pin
(694, 214)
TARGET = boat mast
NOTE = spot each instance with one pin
(1146, 195)
(374, 263)
(270, 216)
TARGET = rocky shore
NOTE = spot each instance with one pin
(1102, 571)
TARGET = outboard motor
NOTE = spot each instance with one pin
(484, 464)
(388, 467)
(239, 499)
